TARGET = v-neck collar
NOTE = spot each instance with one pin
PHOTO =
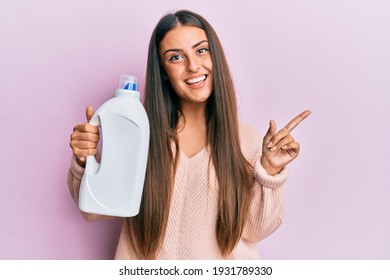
(198, 154)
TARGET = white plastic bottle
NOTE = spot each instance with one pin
(114, 186)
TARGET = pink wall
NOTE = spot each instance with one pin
(332, 57)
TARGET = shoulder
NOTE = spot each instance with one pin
(248, 131)
(250, 140)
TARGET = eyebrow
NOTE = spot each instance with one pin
(180, 50)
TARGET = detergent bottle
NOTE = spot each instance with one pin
(114, 186)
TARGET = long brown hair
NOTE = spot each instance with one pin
(233, 172)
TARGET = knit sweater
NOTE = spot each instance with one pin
(191, 229)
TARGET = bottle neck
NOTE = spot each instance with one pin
(127, 93)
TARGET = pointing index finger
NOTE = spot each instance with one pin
(295, 121)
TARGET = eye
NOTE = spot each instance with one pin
(203, 50)
(175, 57)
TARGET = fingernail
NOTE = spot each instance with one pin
(269, 145)
(284, 147)
(273, 149)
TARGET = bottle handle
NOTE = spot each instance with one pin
(91, 165)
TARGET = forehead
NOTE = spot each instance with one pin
(182, 36)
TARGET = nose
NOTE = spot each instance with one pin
(193, 64)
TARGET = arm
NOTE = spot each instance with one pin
(83, 141)
(274, 152)
(267, 206)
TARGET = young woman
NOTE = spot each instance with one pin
(213, 187)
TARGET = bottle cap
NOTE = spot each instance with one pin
(128, 82)
(128, 86)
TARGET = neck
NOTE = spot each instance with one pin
(195, 114)
(192, 129)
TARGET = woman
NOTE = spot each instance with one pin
(213, 188)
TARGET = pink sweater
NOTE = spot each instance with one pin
(192, 218)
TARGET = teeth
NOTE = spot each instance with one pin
(196, 80)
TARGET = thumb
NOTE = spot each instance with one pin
(271, 131)
(89, 112)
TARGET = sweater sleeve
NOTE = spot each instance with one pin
(75, 174)
(267, 205)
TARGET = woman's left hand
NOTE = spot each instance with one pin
(280, 148)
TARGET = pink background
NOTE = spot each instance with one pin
(332, 57)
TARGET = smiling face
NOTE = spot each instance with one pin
(186, 58)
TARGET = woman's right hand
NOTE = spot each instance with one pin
(84, 139)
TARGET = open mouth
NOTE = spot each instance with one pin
(196, 80)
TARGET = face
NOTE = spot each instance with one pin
(187, 62)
